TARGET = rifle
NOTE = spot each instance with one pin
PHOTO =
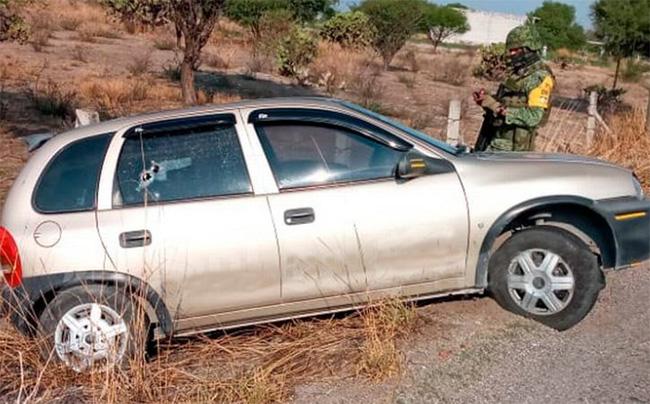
(488, 128)
(487, 132)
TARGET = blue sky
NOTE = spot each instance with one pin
(516, 6)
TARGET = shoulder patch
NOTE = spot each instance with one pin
(540, 96)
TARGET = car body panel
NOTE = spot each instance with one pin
(227, 261)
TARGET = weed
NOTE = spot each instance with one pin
(80, 53)
(215, 61)
(164, 43)
(172, 71)
(40, 39)
(140, 64)
(408, 79)
(53, 100)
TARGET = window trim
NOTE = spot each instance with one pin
(259, 124)
(333, 118)
(108, 136)
(192, 122)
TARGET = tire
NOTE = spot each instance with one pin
(547, 274)
(118, 332)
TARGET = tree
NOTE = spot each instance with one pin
(249, 13)
(556, 23)
(394, 22)
(194, 21)
(12, 26)
(442, 22)
(624, 27)
(458, 5)
(350, 30)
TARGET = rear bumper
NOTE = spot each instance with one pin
(629, 220)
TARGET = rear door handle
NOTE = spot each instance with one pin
(137, 238)
(299, 216)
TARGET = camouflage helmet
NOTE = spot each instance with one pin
(524, 36)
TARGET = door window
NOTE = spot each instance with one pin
(306, 154)
(181, 163)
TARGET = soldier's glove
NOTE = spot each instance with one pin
(493, 105)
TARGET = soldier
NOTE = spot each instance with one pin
(522, 103)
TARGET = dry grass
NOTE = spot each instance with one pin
(628, 145)
(255, 365)
(333, 72)
(141, 64)
(113, 97)
(451, 69)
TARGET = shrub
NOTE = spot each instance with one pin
(275, 26)
(172, 71)
(140, 65)
(295, 52)
(451, 70)
(350, 30)
(53, 100)
(40, 39)
(634, 70)
(164, 42)
(394, 22)
(492, 65)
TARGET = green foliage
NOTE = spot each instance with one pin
(458, 5)
(351, 30)
(556, 24)
(12, 26)
(442, 22)
(139, 12)
(295, 52)
(394, 21)
(249, 13)
(624, 25)
(492, 65)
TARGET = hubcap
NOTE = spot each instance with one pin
(540, 282)
(91, 334)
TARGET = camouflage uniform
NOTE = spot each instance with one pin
(525, 94)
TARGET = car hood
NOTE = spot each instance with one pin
(542, 157)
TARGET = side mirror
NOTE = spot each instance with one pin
(414, 164)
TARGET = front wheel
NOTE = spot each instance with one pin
(547, 274)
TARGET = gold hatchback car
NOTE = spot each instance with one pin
(224, 216)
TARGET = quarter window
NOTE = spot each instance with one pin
(181, 163)
(305, 154)
(69, 183)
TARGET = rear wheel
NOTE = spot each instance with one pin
(547, 274)
(92, 326)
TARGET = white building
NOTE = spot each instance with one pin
(487, 27)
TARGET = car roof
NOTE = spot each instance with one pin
(120, 123)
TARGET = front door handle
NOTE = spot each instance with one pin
(299, 216)
(137, 238)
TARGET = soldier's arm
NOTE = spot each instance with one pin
(539, 94)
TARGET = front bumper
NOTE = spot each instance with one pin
(629, 220)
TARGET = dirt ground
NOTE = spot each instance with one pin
(471, 351)
(464, 350)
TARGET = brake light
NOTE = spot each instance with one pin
(12, 268)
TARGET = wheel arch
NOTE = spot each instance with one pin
(578, 213)
(36, 293)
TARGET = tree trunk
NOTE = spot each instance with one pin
(618, 69)
(187, 82)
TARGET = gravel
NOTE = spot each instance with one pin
(471, 351)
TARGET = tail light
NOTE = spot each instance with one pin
(12, 269)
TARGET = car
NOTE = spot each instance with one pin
(263, 210)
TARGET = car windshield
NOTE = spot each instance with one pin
(421, 136)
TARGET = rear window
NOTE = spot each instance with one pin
(69, 182)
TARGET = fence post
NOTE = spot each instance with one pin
(453, 123)
(592, 111)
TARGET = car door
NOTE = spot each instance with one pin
(183, 215)
(342, 168)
